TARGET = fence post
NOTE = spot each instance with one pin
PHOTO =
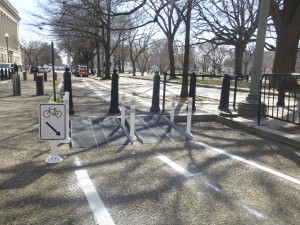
(114, 102)
(281, 92)
(155, 95)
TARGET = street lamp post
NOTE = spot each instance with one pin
(6, 37)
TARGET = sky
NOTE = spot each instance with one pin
(26, 34)
(22, 6)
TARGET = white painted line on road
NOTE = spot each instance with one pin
(238, 158)
(187, 173)
(253, 212)
(100, 212)
(176, 167)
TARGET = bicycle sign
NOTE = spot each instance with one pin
(53, 112)
(52, 121)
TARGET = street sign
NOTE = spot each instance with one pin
(52, 121)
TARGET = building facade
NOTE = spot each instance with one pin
(9, 33)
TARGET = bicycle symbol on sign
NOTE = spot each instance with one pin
(53, 112)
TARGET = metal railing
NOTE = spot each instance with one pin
(193, 86)
(279, 97)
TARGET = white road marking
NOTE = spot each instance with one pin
(176, 167)
(100, 212)
(187, 173)
(207, 184)
(253, 212)
(256, 165)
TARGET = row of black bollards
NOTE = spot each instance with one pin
(223, 104)
(5, 74)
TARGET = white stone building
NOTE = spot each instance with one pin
(9, 33)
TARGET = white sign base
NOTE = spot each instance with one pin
(53, 158)
(66, 141)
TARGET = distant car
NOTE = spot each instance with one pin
(43, 70)
(34, 69)
(81, 71)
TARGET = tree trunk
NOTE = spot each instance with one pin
(171, 56)
(186, 60)
(285, 58)
(285, 54)
(239, 53)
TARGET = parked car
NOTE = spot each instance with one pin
(43, 70)
(34, 69)
(81, 71)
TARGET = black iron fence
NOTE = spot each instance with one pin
(224, 98)
(279, 97)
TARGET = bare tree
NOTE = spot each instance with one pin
(230, 22)
(169, 21)
(286, 17)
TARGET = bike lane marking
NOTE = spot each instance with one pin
(251, 163)
(101, 214)
(209, 185)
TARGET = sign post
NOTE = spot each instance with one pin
(53, 127)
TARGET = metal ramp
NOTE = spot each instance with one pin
(158, 128)
(90, 132)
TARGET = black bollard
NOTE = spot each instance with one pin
(155, 96)
(192, 91)
(16, 85)
(54, 76)
(281, 92)
(45, 76)
(224, 99)
(68, 87)
(24, 75)
(114, 101)
(5, 74)
(39, 85)
(2, 74)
